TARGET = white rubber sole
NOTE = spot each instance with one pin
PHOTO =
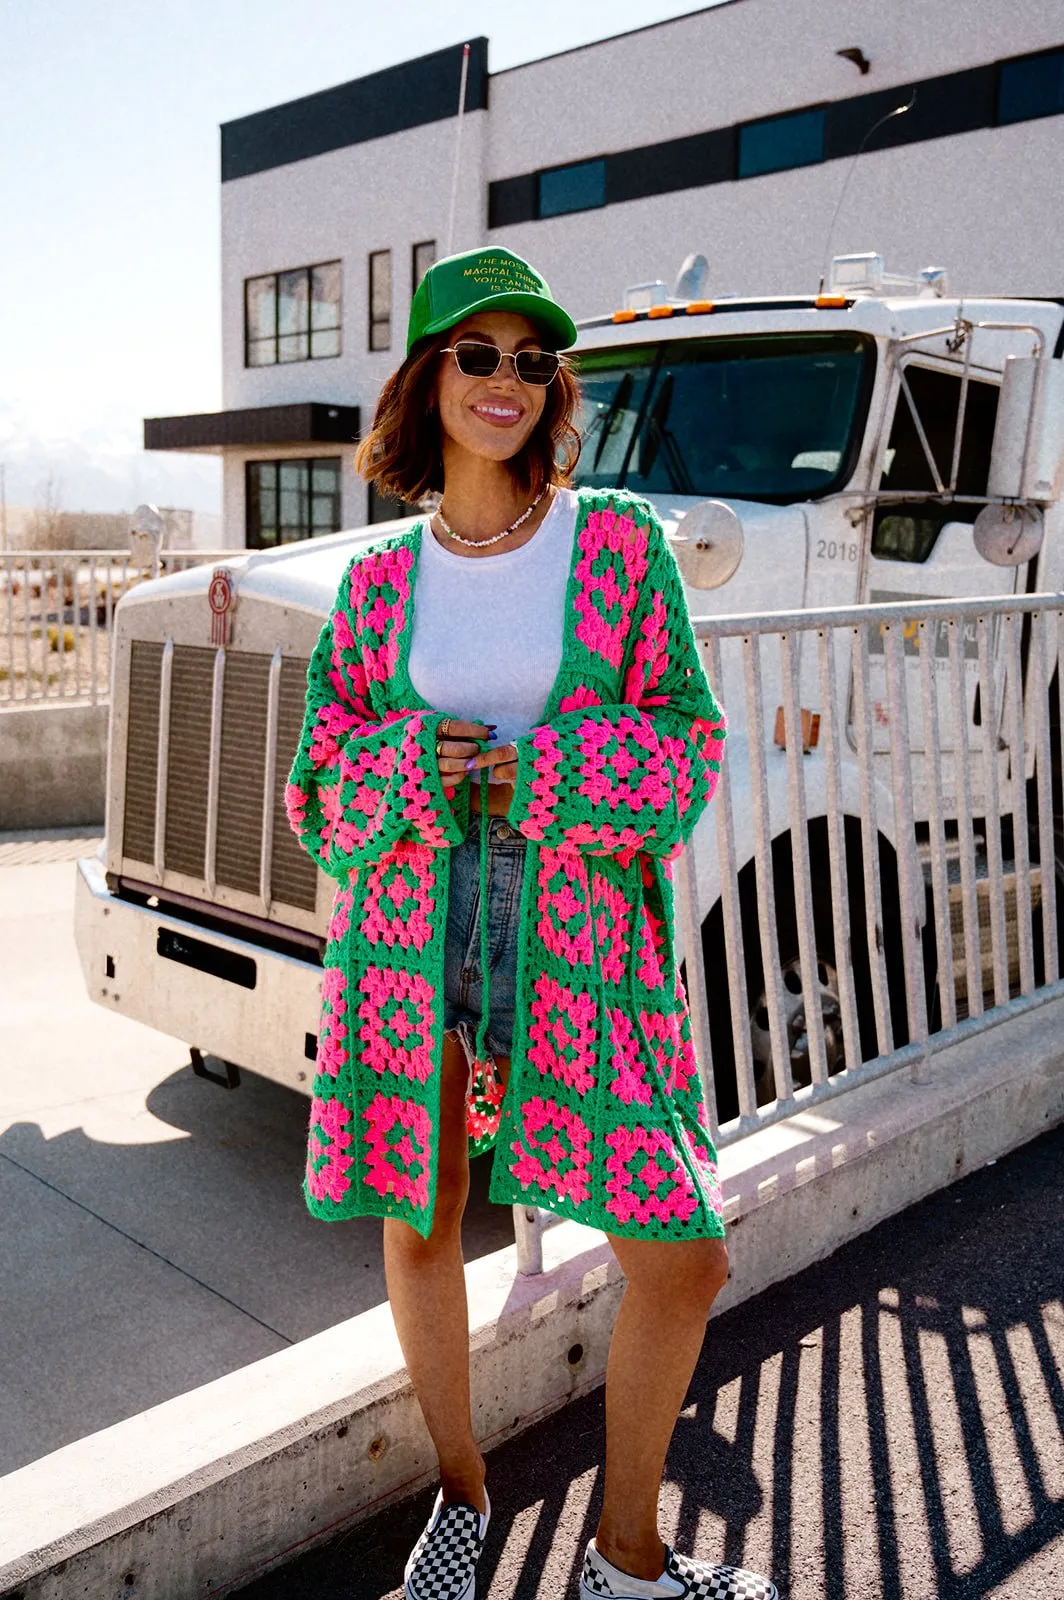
(468, 1593)
(587, 1593)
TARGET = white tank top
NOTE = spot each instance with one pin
(487, 639)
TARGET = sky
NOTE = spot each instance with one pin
(109, 203)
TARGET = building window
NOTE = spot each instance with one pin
(381, 508)
(421, 259)
(576, 188)
(292, 500)
(774, 145)
(292, 316)
(380, 300)
(1032, 87)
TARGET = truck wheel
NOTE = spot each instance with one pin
(796, 1006)
(840, 1051)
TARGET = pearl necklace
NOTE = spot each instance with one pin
(479, 544)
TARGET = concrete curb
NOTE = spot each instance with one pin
(201, 1494)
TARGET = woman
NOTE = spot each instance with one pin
(500, 968)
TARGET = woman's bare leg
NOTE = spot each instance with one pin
(426, 1287)
(655, 1345)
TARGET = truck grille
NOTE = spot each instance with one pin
(241, 773)
(190, 736)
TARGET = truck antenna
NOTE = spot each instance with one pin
(457, 149)
(899, 111)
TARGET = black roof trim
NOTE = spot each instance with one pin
(396, 98)
(306, 422)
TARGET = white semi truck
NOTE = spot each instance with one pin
(877, 441)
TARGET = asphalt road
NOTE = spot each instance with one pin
(888, 1425)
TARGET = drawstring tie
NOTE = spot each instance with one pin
(484, 1102)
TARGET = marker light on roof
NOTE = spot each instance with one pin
(625, 315)
(831, 302)
(641, 296)
(858, 274)
(694, 307)
(660, 311)
(867, 274)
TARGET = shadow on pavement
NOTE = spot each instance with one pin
(164, 1244)
(887, 1425)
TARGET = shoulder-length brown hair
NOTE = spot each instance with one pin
(401, 454)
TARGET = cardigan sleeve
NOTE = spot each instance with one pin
(361, 780)
(635, 775)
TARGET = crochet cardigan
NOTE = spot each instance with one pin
(603, 1118)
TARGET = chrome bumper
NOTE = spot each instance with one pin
(225, 995)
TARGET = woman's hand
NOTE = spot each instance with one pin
(454, 747)
(501, 764)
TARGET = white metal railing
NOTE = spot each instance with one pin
(56, 618)
(892, 889)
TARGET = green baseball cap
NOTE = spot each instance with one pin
(490, 279)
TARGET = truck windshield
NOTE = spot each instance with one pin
(771, 417)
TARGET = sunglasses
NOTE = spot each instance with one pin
(476, 360)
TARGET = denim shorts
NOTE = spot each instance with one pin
(463, 985)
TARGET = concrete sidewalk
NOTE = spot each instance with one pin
(154, 1233)
(887, 1425)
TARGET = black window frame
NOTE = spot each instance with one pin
(907, 529)
(381, 508)
(309, 331)
(1018, 66)
(416, 275)
(549, 173)
(253, 524)
(747, 130)
(375, 322)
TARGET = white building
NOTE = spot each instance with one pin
(732, 131)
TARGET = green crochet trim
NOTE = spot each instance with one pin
(603, 1118)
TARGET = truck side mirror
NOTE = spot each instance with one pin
(1007, 536)
(146, 528)
(708, 544)
(1027, 456)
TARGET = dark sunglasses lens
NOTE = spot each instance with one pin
(536, 366)
(477, 360)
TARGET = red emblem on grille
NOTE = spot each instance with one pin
(221, 597)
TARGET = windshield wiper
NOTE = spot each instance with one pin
(654, 431)
(618, 404)
(658, 436)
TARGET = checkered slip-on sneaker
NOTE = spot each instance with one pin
(443, 1563)
(683, 1579)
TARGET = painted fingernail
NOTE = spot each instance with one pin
(471, 763)
(492, 734)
